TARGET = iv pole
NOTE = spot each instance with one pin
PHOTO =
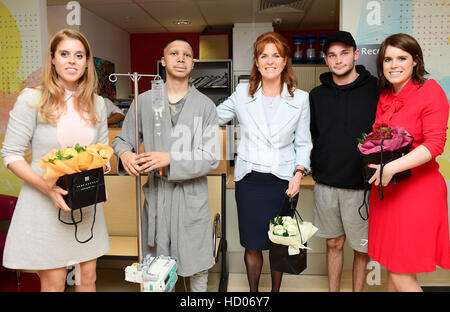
(135, 78)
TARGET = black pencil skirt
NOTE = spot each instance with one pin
(259, 197)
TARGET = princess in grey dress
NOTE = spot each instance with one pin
(63, 111)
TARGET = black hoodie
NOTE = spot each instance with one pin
(339, 115)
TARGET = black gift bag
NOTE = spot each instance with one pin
(280, 260)
(84, 188)
(384, 157)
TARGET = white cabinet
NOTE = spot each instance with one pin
(244, 35)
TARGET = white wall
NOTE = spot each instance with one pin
(107, 41)
(349, 9)
(110, 43)
(56, 20)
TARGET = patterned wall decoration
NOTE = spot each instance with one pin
(105, 68)
(20, 66)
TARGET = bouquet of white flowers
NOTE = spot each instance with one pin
(287, 231)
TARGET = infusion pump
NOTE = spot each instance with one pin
(155, 274)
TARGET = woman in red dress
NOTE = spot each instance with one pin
(408, 229)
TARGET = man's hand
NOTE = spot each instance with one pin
(152, 160)
(130, 163)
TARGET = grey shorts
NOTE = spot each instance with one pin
(336, 214)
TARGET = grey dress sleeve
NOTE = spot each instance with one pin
(103, 136)
(21, 124)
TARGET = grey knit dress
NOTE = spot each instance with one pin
(36, 239)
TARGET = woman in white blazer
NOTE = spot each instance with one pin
(274, 151)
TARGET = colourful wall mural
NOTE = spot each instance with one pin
(20, 63)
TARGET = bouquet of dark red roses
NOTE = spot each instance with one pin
(383, 145)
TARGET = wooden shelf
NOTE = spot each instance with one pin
(123, 246)
(212, 87)
(309, 65)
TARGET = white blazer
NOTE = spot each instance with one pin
(280, 147)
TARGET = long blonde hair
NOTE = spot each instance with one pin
(52, 105)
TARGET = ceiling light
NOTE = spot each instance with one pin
(182, 22)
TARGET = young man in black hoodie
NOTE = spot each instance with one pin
(342, 108)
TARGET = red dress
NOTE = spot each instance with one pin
(408, 229)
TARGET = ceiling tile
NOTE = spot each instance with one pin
(322, 14)
(168, 11)
(125, 16)
(86, 3)
(218, 12)
(158, 15)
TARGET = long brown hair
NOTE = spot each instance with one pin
(287, 75)
(52, 105)
(408, 44)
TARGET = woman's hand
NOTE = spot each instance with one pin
(294, 185)
(153, 160)
(106, 168)
(56, 195)
(129, 163)
(388, 173)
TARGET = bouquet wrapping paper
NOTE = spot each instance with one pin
(58, 163)
(284, 231)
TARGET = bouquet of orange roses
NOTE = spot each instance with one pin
(58, 163)
(78, 170)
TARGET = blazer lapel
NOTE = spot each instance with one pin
(256, 111)
(287, 111)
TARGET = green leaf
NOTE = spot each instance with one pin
(363, 138)
(79, 148)
(61, 157)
